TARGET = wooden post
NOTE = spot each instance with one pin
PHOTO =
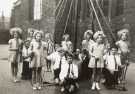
(76, 24)
(110, 10)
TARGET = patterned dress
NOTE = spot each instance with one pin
(123, 49)
(39, 53)
(50, 47)
(15, 47)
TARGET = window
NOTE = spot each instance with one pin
(37, 9)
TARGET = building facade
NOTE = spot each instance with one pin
(23, 15)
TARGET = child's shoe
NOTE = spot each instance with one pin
(34, 87)
(39, 87)
(62, 89)
(93, 86)
(97, 86)
(71, 89)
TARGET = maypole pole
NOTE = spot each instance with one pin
(94, 10)
(76, 24)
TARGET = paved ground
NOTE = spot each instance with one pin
(24, 87)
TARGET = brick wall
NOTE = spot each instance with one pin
(48, 19)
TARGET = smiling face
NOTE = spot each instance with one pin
(99, 39)
(113, 51)
(69, 59)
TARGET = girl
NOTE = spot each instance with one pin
(15, 48)
(87, 42)
(96, 61)
(50, 49)
(123, 48)
(38, 54)
(66, 43)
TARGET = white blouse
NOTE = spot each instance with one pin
(55, 59)
(64, 71)
(112, 62)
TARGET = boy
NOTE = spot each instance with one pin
(113, 62)
(26, 73)
(69, 74)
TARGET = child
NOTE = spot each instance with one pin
(123, 48)
(78, 61)
(66, 43)
(26, 73)
(37, 51)
(87, 42)
(56, 59)
(69, 74)
(113, 62)
(15, 48)
(96, 61)
(50, 49)
(84, 67)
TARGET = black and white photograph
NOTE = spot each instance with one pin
(67, 46)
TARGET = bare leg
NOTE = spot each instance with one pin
(12, 71)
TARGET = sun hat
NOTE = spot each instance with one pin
(15, 29)
(101, 33)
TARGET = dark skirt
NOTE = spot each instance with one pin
(26, 72)
(56, 73)
(86, 72)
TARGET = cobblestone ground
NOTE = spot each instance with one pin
(24, 87)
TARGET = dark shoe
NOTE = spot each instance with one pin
(123, 89)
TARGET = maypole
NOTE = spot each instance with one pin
(76, 24)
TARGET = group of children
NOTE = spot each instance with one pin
(91, 62)
(107, 61)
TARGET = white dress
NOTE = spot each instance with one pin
(97, 51)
